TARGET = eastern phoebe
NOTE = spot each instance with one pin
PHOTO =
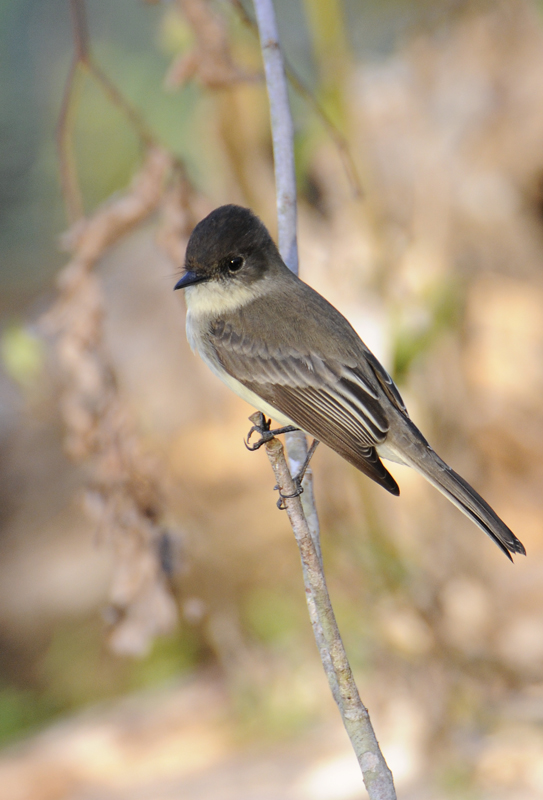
(283, 348)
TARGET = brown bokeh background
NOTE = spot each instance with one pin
(154, 636)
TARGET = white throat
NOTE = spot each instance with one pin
(214, 298)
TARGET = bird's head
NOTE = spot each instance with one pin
(230, 247)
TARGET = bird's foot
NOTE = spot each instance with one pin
(297, 480)
(282, 497)
(261, 425)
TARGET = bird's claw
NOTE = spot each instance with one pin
(262, 425)
(282, 497)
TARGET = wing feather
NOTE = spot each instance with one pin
(329, 400)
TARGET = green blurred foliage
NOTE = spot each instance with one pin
(170, 658)
(443, 305)
(22, 354)
(23, 710)
(271, 616)
(77, 669)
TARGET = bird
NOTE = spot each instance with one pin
(285, 349)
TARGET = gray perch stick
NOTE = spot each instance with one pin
(377, 776)
(282, 132)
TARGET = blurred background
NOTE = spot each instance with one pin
(154, 639)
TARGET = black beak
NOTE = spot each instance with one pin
(189, 279)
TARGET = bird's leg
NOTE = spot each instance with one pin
(300, 476)
(298, 479)
(261, 425)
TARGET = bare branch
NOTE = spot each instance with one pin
(80, 30)
(68, 172)
(117, 99)
(333, 131)
(83, 61)
(377, 776)
(124, 493)
(282, 132)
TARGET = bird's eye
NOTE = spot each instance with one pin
(235, 264)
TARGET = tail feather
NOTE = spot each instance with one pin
(464, 497)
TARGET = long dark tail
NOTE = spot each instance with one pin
(459, 492)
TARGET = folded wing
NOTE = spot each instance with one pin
(336, 403)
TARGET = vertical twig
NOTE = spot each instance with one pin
(377, 776)
(285, 189)
(282, 132)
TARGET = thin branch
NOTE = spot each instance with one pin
(282, 132)
(377, 776)
(147, 137)
(285, 189)
(83, 61)
(80, 30)
(333, 132)
(68, 173)
(123, 490)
